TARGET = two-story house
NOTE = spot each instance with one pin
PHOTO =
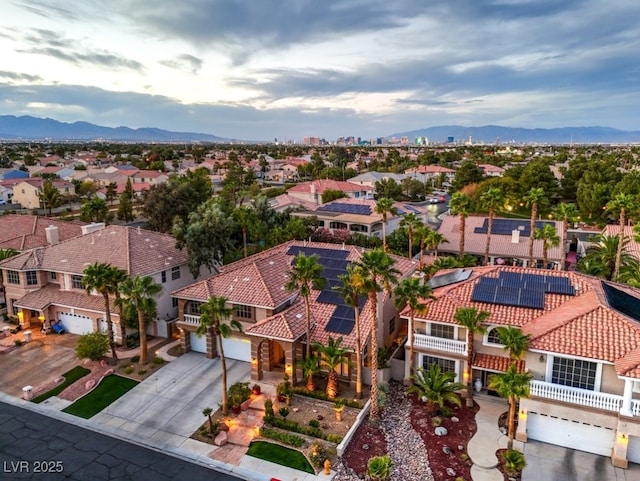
(583, 354)
(274, 320)
(27, 192)
(44, 285)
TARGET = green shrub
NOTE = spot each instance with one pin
(314, 423)
(285, 438)
(318, 453)
(513, 461)
(379, 468)
(436, 421)
(158, 360)
(142, 372)
(284, 411)
(93, 345)
(334, 438)
(301, 391)
(239, 392)
(18, 342)
(268, 407)
(128, 370)
(135, 358)
(295, 427)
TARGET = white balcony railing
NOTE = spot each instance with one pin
(191, 319)
(635, 408)
(582, 397)
(439, 344)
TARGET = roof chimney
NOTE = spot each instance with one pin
(52, 234)
(515, 236)
(93, 227)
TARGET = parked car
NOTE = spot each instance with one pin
(439, 199)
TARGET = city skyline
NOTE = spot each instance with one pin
(290, 69)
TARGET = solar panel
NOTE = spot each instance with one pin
(320, 252)
(532, 298)
(509, 278)
(506, 226)
(508, 296)
(449, 278)
(330, 297)
(622, 301)
(483, 292)
(339, 326)
(344, 208)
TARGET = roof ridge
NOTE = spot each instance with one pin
(128, 248)
(263, 282)
(35, 223)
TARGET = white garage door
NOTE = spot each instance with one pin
(76, 324)
(570, 434)
(198, 344)
(237, 348)
(633, 449)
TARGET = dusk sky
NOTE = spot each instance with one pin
(265, 69)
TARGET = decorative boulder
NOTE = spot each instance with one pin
(454, 419)
(89, 384)
(451, 472)
(221, 439)
(108, 372)
(446, 450)
(441, 431)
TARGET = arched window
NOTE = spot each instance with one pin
(491, 337)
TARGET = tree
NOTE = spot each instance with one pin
(511, 385)
(332, 194)
(461, 205)
(536, 197)
(212, 314)
(492, 200)
(111, 192)
(621, 203)
(471, 319)
(125, 205)
(514, 341)
(388, 189)
(467, 173)
(549, 238)
(333, 354)
(94, 209)
(245, 217)
(566, 213)
(377, 270)
(305, 274)
(411, 292)
(50, 196)
(138, 294)
(310, 367)
(384, 207)
(93, 345)
(432, 239)
(601, 256)
(436, 387)
(410, 222)
(351, 287)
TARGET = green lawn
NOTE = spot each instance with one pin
(70, 377)
(110, 389)
(280, 455)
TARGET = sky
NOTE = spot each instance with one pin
(285, 69)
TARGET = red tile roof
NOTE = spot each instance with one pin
(52, 295)
(324, 184)
(24, 232)
(495, 363)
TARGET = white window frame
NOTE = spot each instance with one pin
(421, 357)
(636, 386)
(175, 273)
(431, 324)
(75, 278)
(549, 372)
(485, 338)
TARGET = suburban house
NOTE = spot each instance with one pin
(583, 354)
(312, 191)
(27, 192)
(433, 171)
(9, 174)
(491, 170)
(273, 319)
(44, 285)
(509, 240)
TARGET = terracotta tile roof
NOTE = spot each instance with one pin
(632, 247)
(430, 169)
(325, 184)
(493, 363)
(51, 295)
(24, 232)
(136, 251)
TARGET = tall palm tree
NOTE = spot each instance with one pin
(351, 287)
(511, 385)
(118, 276)
(549, 238)
(213, 313)
(333, 354)
(461, 205)
(410, 222)
(566, 213)
(138, 293)
(50, 196)
(310, 367)
(246, 217)
(432, 239)
(305, 274)
(435, 387)
(602, 255)
(514, 341)
(411, 292)
(491, 200)
(621, 203)
(471, 319)
(384, 207)
(536, 197)
(421, 232)
(378, 273)
(97, 277)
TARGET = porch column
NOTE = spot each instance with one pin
(256, 360)
(185, 340)
(625, 410)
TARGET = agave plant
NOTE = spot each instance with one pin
(379, 468)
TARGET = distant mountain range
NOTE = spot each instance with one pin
(491, 134)
(36, 129)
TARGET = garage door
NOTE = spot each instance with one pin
(76, 324)
(633, 449)
(570, 434)
(237, 348)
(198, 344)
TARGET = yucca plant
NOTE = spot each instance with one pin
(379, 468)
(513, 461)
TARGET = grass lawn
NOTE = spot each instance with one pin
(70, 377)
(280, 455)
(110, 389)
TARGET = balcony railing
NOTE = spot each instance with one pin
(582, 397)
(635, 408)
(191, 319)
(439, 344)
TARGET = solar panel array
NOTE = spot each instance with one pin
(520, 289)
(506, 226)
(622, 301)
(449, 278)
(341, 207)
(334, 263)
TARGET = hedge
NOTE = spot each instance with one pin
(301, 391)
(300, 429)
(286, 438)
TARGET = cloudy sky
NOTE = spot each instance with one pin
(264, 69)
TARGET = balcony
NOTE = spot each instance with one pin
(191, 319)
(581, 397)
(422, 341)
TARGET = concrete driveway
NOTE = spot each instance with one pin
(553, 463)
(166, 408)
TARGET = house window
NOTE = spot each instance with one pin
(244, 312)
(175, 273)
(444, 331)
(392, 325)
(574, 373)
(174, 301)
(14, 309)
(193, 308)
(636, 386)
(164, 276)
(53, 276)
(76, 282)
(493, 337)
(13, 277)
(445, 364)
(32, 278)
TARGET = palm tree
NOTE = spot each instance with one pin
(332, 356)
(310, 367)
(410, 222)
(138, 293)
(566, 213)
(461, 205)
(351, 288)
(549, 239)
(492, 200)
(411, 292)
(384, 207)
(511, 385)
(421, 233)
(305, 274)
(436, 387)
(514, 341)
(432, 239)
(602, 255)
(377, 270)
(212, 314)
(622, 203)
(50, 195)
(245, 216)
(536, 197)
(98, 277)
(118, 276)
(471, 319)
